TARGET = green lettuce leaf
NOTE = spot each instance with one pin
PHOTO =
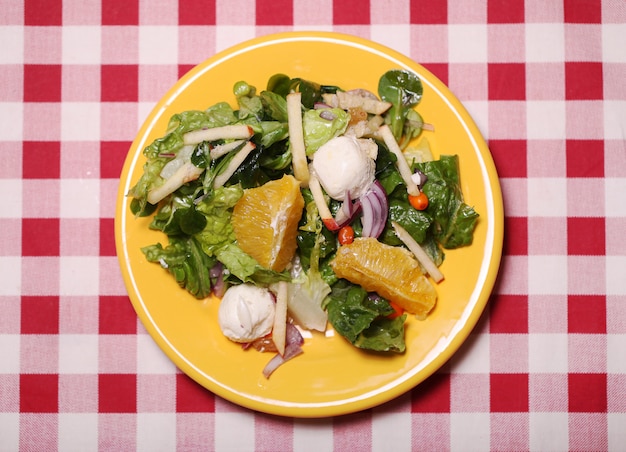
(318, 130)
(186, 261)
(362, 320)
(453, 220)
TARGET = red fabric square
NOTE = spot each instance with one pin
(39, 393)
(587, 393)
(112, 156)
(117, 393)
(586, 236)
(115, 12)
(509, 157)
(274, 12)
(429, 12)
(119, 83)
(433, 395)
(509, 393)
(439, 70)
(586, 314)
(505, 11)
(196, 12)
(40, 236)
(116, 315)
(184, 68)
(41, 159)
(516, 236)
(42, 83)
(107, 237)
(585, 158)
(40, 315)
(582, 12)
(351, 13)
(507, 81)
(191, 397)
(43, 12)
(508, 314)
(583, 81)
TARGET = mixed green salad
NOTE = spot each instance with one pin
(197, 171)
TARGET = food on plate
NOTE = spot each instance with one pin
(246, 313)
(390, 271)
(265, 221)
(306, 207)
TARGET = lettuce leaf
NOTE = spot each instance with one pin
(318, 130)
(186, 261)
(362, 320)
(453, 220)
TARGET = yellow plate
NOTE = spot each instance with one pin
(331, 377)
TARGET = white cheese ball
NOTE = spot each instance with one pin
(246, 313)
(342, 165)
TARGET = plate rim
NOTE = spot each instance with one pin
(462, 328)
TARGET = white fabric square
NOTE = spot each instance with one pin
(312, 436)
(473, 356)
(78, 354)
(80, 198)
(545, 43)
(9, 353)
(158, 45)
(155, 431)
(615, 275)
(617, 432)
(613, 43)
(12, 124)
(240, 422)
(78, 431)
(545, 119)
(80, 121)
(81, 44)
(614, 119)
(12, 38)
(552, 191)
(229, 35)
(79, 275)
(11, 205)
(469, 429)
(467, 43)
(616, 354)
(614, 203)
(150, 358)
(382, 424)
(547, 275)
(396, 36)
(479, 111)
(549, 431)
(11, 275)
(548, 353)
(10, 430)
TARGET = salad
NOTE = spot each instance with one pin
(306, 206)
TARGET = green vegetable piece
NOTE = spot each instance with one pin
(362, 320)
(404, 90)
(321, 125)
(279, 84)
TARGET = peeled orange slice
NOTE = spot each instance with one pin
(265, 221)
(390, 271)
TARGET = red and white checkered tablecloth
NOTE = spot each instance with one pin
(545, 368)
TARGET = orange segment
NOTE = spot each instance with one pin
(265, 220)
(390, 271)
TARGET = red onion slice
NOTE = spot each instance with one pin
(375, 208)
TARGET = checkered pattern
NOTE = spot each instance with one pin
(545, 369)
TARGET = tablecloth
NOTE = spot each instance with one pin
(544, 369)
